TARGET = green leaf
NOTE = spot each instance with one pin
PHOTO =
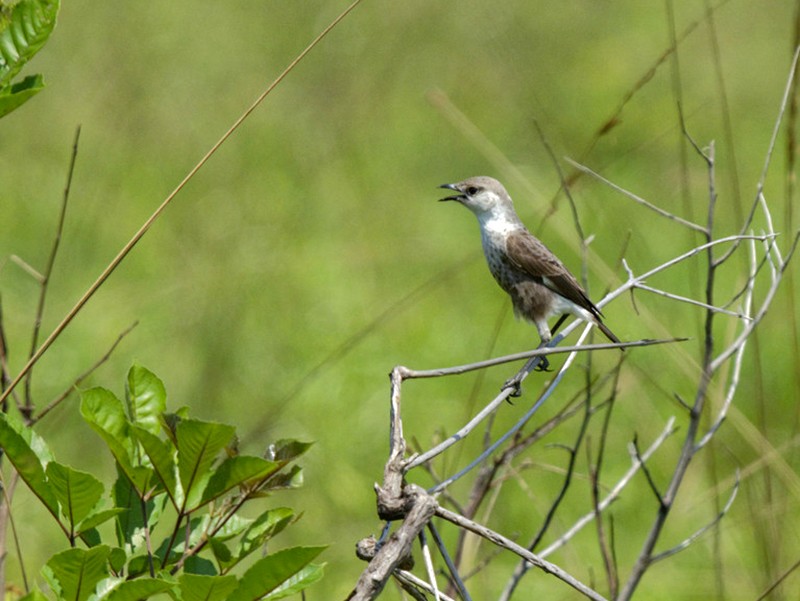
(130, 525)
(14, 96)
(140, 588)
(76, 491)
(300, 581)
(32, 22)
(254, 536)
(287, 450)
(199, 443)
(206, 588)
(234, 471)
(268, 574)
(77, 571)
(267, 525)
(106, 415)
(162, 456)
(26, 451)
(291, 479)
(147, 398)
(96, 518)
(34, 595)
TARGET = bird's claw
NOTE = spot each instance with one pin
(515, 384)
(544, 365)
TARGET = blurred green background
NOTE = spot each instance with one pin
(310, 255)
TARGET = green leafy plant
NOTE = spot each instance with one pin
(24, 28)
(177, 476)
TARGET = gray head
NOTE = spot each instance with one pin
(484, 196)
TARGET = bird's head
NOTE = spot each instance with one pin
(482, 195)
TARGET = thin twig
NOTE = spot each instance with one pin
(454, 575)
(60, 398)
(48, 272)
(157, 213)
(428, 560)
(636, 198)
(502, 541)
(689, 540)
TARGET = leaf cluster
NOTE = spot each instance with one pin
(24, 29)
(176, 504)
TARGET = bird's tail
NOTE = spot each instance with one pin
(609, 334)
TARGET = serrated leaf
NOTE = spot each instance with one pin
(93, 520)
(287, 450)
(290, 479)
(162, 455)
(268, 574)
(77, 492)
(300, 581)
(199, 443)
(130, 522)
(20, 445)
(257, 533)
(147, 398)
(30, 25)
(140, 588)
(34, 595)
(267, 525)
(106, 416)
(234, 471)
(77, 571)
(195, 587)
(14, 96)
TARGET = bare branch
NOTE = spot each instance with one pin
(688, 541)
(638, 199)
(454, 575)
(426, 555)
(502, 541)
(60, 398)
(691, 301)
(48, 272)
(128, 247)
(397, 547)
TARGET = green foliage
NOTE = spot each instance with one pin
(24, 29)
(179, 476)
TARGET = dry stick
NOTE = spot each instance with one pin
(146, 226)
(431, 571)
(688, 449)
(612, 496)
(502, 541)
(60, 398)
(684, 544)
(737, 363)
(636, 198)
(710, 366)
(396, 548)
(48, 271)
(516, 427)
(456, 578)
(408, 579)
(488, 475)
(770, 149)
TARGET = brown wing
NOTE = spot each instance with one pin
(528, 254)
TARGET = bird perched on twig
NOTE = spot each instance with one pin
(536, 280)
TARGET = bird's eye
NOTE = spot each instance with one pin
(472, 190)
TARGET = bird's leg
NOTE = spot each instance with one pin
(538, 363)
(559, 323)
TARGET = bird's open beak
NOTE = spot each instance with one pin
(459, 197)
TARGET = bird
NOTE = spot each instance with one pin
(539, 284)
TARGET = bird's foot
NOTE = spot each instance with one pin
(543, 365)
(516, 384)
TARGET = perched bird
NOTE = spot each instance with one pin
(536, 280)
